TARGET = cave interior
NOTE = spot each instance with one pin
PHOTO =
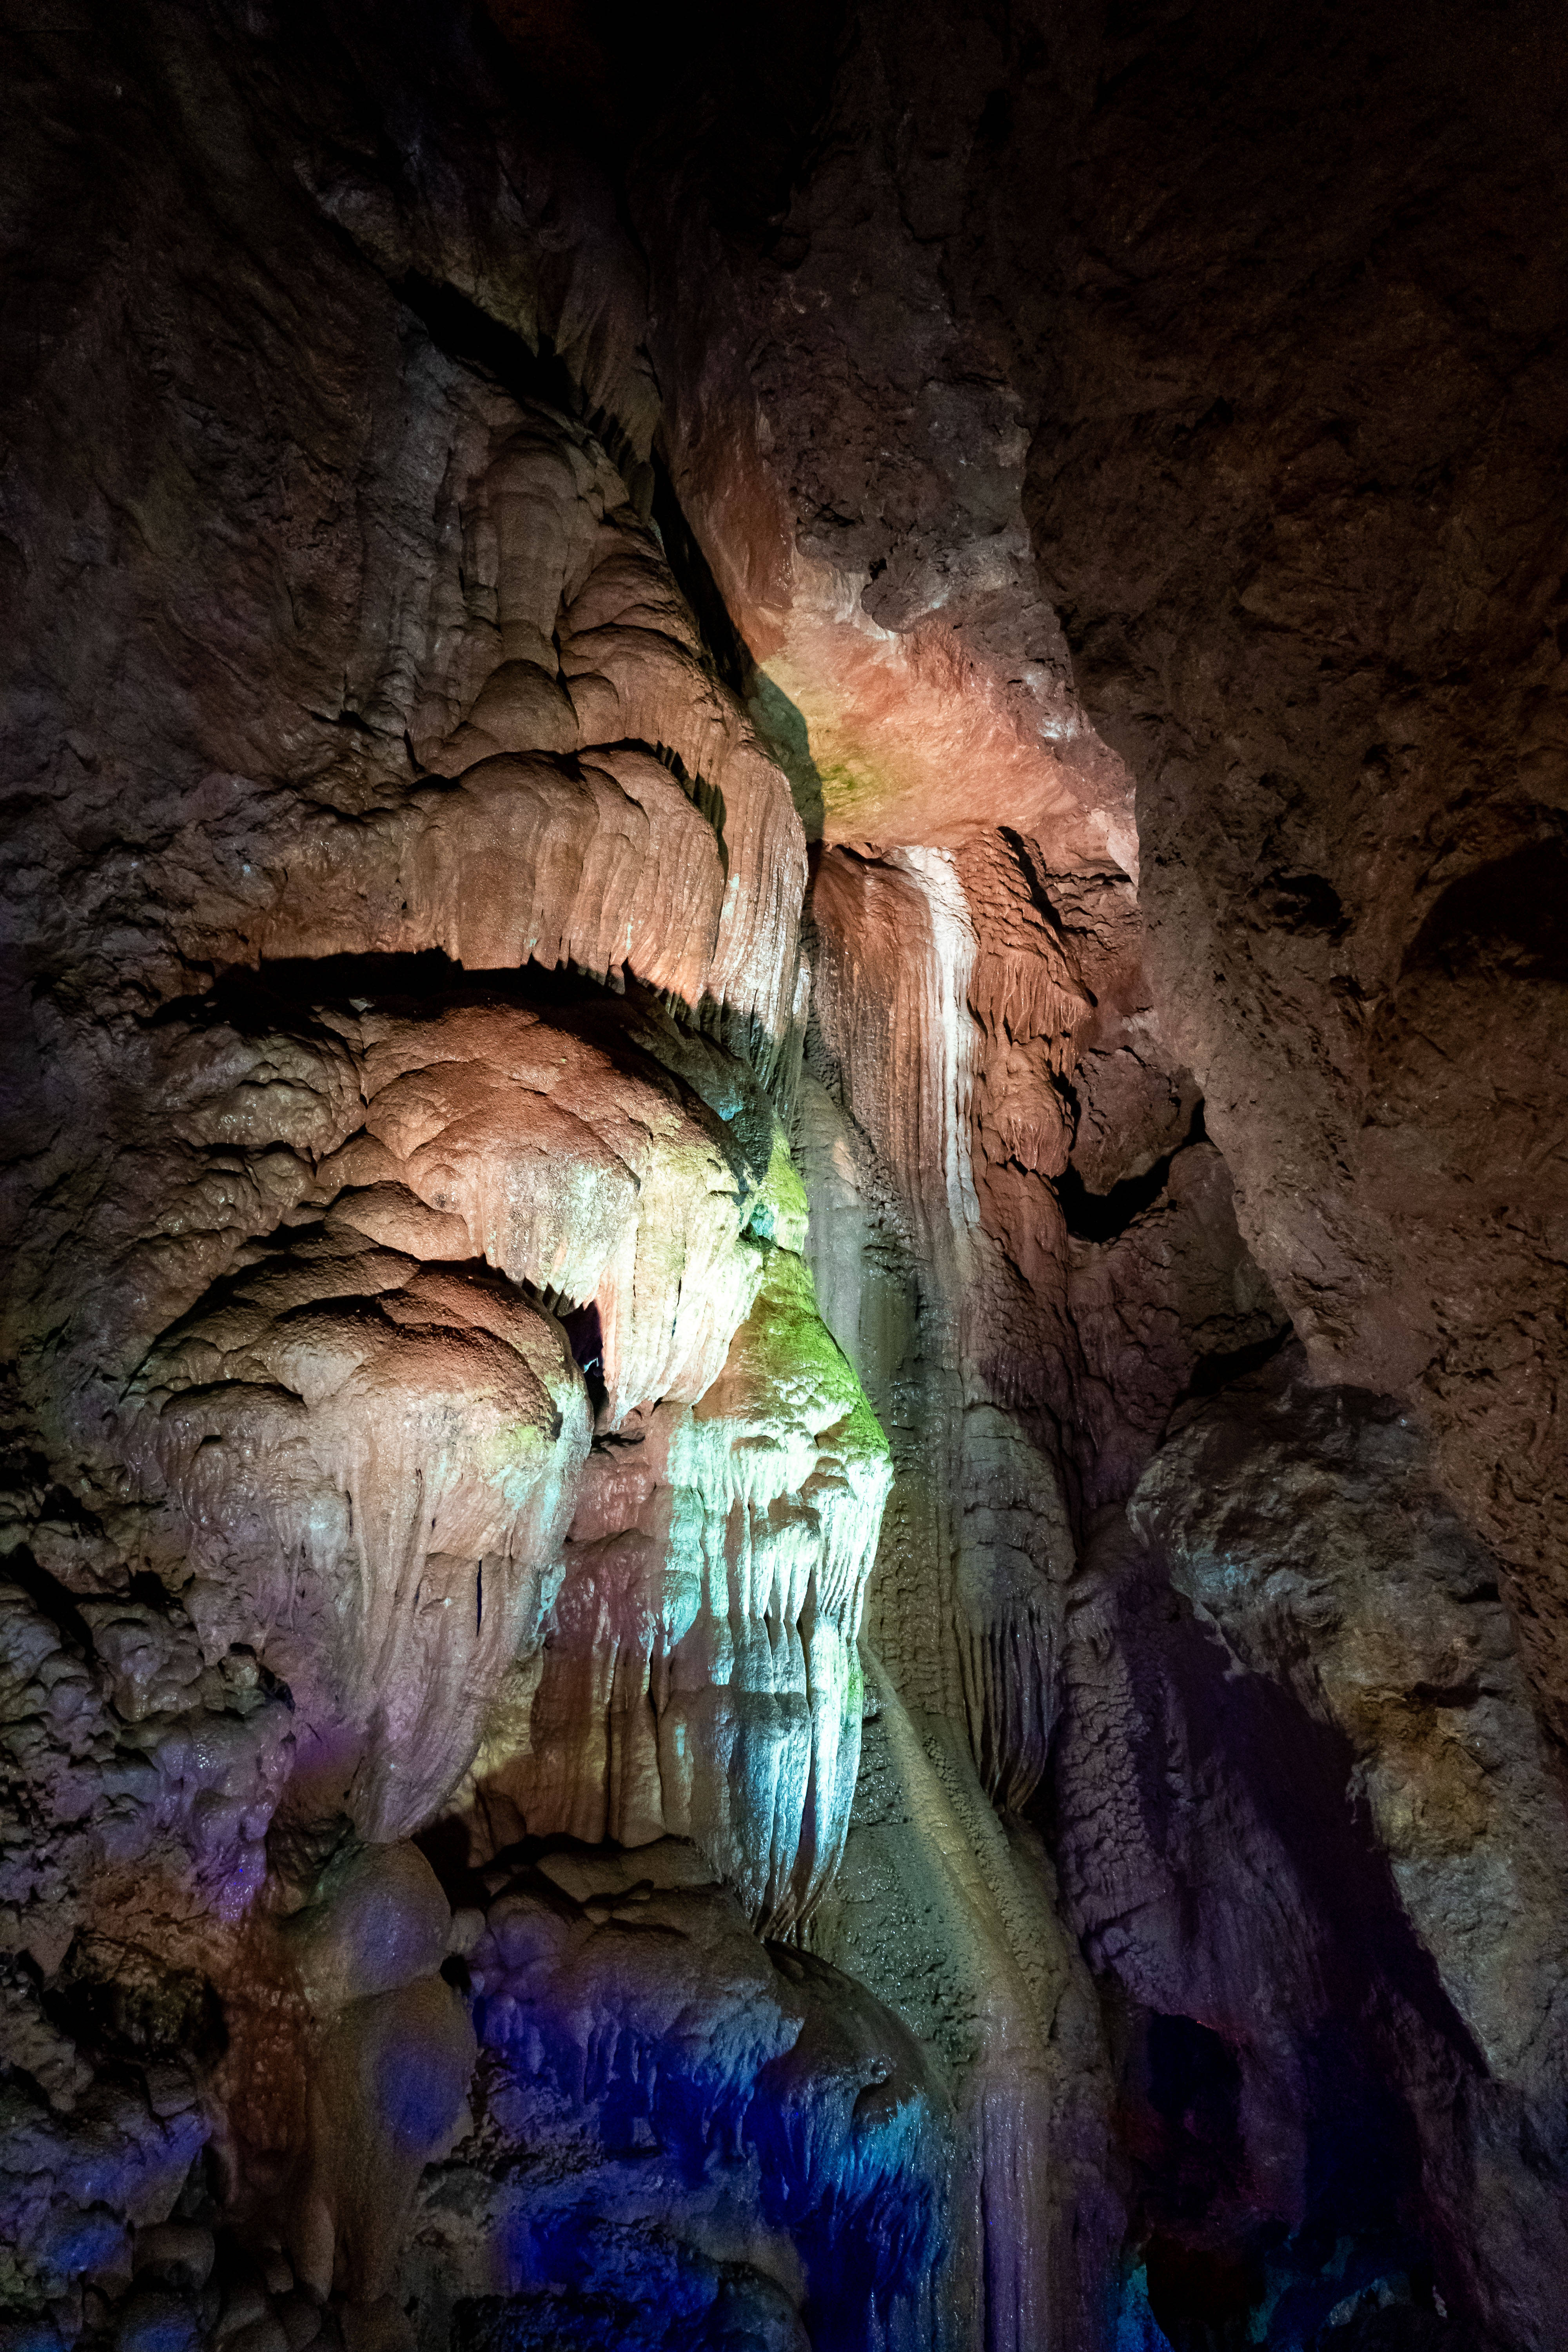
(786, 1177)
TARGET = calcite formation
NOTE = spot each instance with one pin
(702, 1675)
(783, 1178)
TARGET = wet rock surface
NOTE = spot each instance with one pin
(784, 1168)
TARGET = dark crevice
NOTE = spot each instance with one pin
(256, 997)
(127, 2002)
(468, 335)
(694, 578)
(346, 718)
(706, 798)
(1102, 1216)
(1304, 906)
(585, 1337)
(1505, 919)
(1212, 1373)
(475, 340)
(1447, 1694)
(52, 1599)
(1028, 861)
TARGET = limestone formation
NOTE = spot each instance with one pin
(784, 1165)
(702, 1676)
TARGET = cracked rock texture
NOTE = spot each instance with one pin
(786, 1142)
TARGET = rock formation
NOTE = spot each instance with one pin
(785, 1166)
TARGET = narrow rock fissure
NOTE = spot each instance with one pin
(1104, 1216)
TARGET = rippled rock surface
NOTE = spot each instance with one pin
(781, 1560)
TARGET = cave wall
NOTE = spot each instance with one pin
(1246, 330)
(1216, 356)
(784, 1134)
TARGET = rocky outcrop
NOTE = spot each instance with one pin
(1306, 1829)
